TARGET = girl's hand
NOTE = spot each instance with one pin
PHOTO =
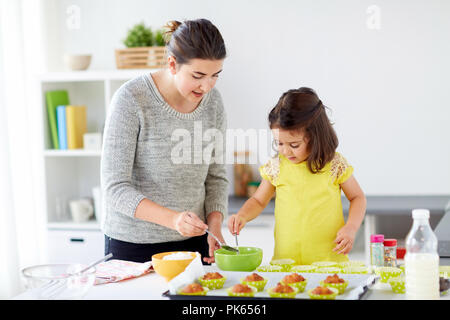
(344, 239)
(188, 224)
(235, 224)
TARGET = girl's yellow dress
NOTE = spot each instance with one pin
(308, 208)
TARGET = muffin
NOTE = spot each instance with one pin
(282, 291)
(241, 290)
(193, 289)
(255, 280)
(212, 280)
(295, 280)
(285, 264)
(323, 293)
(335, 282)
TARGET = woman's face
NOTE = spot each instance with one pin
(196, 78)
(291, 144)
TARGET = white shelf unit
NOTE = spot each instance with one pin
(72, 174)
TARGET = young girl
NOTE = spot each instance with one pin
(307, 175)
(152, 203)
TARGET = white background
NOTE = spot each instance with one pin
(388, 88)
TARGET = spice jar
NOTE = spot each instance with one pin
(390, 252)
(376, 250)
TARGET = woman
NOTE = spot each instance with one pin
(153, 201)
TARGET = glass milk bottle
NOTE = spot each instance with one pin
(421, 259)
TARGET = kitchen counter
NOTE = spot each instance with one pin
(379, 208)
(151, 287)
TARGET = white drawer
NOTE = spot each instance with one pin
(72, 246)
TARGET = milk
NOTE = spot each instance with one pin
(422, 276)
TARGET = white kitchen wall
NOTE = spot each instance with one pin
(383, 67)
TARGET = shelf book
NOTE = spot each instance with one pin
(53, 100)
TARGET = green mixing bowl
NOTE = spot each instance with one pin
(248, 259)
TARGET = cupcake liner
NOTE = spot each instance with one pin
(286, 264)
(303, 268)
(339, 286)
(388, 272)
(331, 296)
(355, 270)
(269, 268)
(444, 271)
(201, 293)
(300, 286)
(242, 294)
(283, 295)
(351, 263)
(397, 284)
(212, 284)
(259, 285)
(325, 264)
(329, 270)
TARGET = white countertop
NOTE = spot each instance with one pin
(151, 287)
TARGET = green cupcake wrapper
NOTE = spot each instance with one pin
(212, 284)
(242, 294)
(339, 286)
(444, 271)
(351, 263)
(285, 264)
(303, 268)
(202, 293)
(329, 270)
(355, 270)
(388, 272)
(325, 264)
(269, 268)
(283, 295)
(397, 284)
(331, 296)
(300, 286)
(259, 285)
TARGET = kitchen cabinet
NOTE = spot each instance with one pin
(72, 174)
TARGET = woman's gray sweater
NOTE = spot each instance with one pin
(152, 151)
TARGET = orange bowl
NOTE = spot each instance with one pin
(169, 269)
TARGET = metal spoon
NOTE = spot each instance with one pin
(237, 246)
(223, 244)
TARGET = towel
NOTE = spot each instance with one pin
(188, 276)
(119, 270)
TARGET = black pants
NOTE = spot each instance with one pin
(142, 252)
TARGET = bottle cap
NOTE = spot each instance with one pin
(390, 242)
(376, 238)
(421, 214)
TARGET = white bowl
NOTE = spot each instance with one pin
(77, 61)
(58, 281)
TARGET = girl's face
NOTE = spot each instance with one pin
(291, 144)
(196, 78)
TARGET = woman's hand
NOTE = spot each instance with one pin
(188, 224)
(213, 245)
(235, 224)
(344, 239)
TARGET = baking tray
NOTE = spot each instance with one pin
(357, 287)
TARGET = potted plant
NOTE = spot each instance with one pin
(144, 49)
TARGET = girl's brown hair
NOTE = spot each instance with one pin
(194, 39)
(302, 110)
